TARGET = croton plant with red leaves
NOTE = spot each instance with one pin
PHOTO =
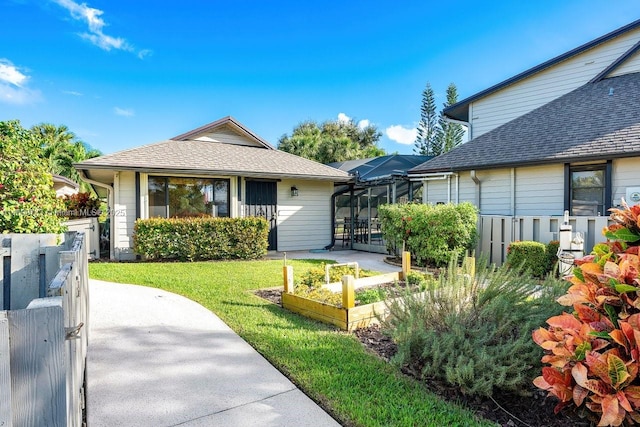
(593, 353)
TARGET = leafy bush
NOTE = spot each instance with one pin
(552, 255)
(315, 277)
(81, 205)
(593, 353)
(28, 202)
(201, 238)
(528, 255)
(418, 279)
(433, 234)
(474, 332)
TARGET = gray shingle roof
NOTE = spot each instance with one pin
(585, 124)
(214, 158)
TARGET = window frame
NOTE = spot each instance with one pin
(166, 183)
(568, 184)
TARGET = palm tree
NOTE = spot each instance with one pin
(61, 149)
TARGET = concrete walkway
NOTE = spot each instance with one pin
(158, 359)
(366, 260)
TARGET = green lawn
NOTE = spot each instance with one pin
(330, 366)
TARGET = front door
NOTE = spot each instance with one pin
(261, 200)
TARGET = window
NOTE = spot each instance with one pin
(173, 197)
(589, 189)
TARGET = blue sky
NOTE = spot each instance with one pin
(126, 73)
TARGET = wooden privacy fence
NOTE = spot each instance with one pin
(498, 231)
(43, 341)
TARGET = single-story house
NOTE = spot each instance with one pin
(63, 186)
(562, 136)
(220, 169)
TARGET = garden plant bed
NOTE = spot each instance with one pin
(345, 317)
(534, 410)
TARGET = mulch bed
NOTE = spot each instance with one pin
(506, 409)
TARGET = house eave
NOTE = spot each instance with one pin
(218, 172)
(542, 162)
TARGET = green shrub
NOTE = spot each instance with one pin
(193, 239)
(28, 202)
(433, 234)
(371, 295)
(552, 255)
(529, 255)
(474, 333)
(315, 277)
(418, 279)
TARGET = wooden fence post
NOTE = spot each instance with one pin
(406, 264)
(348, 292)
(287, 273)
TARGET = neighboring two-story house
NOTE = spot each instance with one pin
(562, 136)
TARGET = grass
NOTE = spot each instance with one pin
(330, 366)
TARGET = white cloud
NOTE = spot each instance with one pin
(71, 92)
(13, 85)
(401, 134)
(9, 73)
(125, 112)
(93, 18)
(343, 118)
(363, 123)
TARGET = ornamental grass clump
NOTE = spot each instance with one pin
(473, 331)
(592, 354)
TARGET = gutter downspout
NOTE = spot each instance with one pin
(475, 179)
(109, 188)
(463, 123)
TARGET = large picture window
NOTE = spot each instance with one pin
(589, 189)
(175, 197)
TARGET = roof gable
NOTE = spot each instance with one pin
(226, 130)
(460, 110)
(224, 147)
(599, 120)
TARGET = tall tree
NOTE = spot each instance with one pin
(427, 127)
(449, 134)
(332, 141)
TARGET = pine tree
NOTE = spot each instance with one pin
(449, 135)
(427, 128)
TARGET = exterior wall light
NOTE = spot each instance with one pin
(294, 191)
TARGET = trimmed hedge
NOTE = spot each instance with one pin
(197, 239)
(434, 234)
(528, 255)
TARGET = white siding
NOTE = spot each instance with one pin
(124, 215)
(495, 191)
(435, 191)
(631, 65)
(513, 101)
(626, 173)
(540, 190)
(304, 222)
(468, 189)
(226, 135)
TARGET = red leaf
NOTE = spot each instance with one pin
(564, 321)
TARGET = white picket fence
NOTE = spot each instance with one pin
(498, 231)
(43, 330)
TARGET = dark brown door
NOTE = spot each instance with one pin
(261, 200)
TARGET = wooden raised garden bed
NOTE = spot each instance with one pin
(348, 317)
